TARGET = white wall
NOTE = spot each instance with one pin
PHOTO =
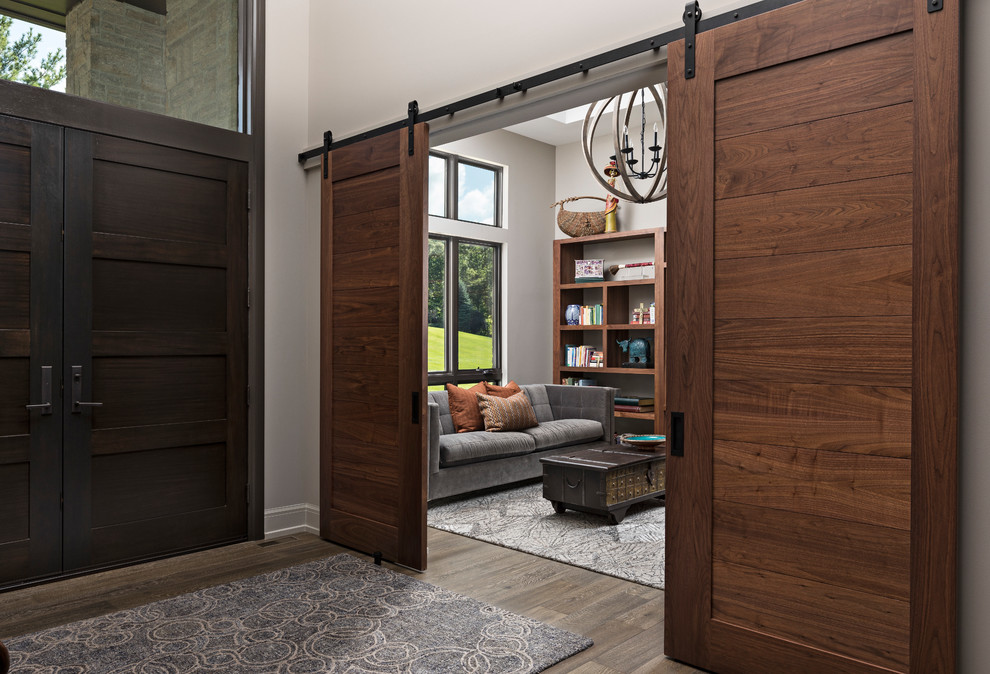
(574, 179)
(369, 59)
(292, 264)
(526, 236)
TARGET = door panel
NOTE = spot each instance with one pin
(157, 239)
(373, 337)
(815, 501)
(30, 339)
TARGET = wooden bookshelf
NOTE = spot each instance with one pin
(617, 310)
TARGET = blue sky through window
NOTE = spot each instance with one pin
(476, 194)
(51, 40)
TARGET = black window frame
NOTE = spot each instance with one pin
(452, 374)
(452, 161)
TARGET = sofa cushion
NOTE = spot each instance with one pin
(464, 407)
(537, 394)
(506, 414)
(551, 434)
(446, 422)
(510, 389)
(460, 448)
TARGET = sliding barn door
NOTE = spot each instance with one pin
(155, 367)
(30, 349)
(812, 341)
(373, 346)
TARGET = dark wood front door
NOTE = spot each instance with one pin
(373, 345)
(813, 327)
(30, 349)
(139, 322)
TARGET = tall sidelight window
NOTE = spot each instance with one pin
(465, 189)
(464, 312)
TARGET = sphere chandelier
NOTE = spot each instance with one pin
(632, 161)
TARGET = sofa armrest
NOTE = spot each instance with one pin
(434, 436)
(584, 402)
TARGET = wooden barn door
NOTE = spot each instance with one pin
(155, 366)
(30, 349)
(373, 346)
(812, 341)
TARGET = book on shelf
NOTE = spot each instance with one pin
(634, 408)
(633, 400)
(583, 356)
(591, 314)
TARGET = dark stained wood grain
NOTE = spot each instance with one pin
(352, 384)
(413, 421)
(15, 449)
(858, 351)
(15, 507)
(853, 419)
(142, 249)
(851, 147)
(143, 343)
(824, 85)
(141, 296)
(859, 214)
(805, 546)
(161, 436)
(873, 490)
(860, 282)
(793, 32)
(689, 288)
(14, 237)
(854, 624)
(372, 191)
(140, 201)
(30, 338)
(155, 390)
(158, 483)
(372, 268)
(15, 182)
(365, 346)
(935, 430)
(15, 295)
(366, 230)
(368, 156)
(373, 348)
(366, 308)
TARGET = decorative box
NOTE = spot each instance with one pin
(643, 271)
(589, 271)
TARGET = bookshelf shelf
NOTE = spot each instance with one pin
(618, 299)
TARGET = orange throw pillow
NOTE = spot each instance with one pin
(513, 413)
(464, 410)
(509, 389)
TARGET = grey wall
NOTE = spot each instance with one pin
(527, 253)
(350, 88)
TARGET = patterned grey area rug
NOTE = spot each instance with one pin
(339, 614)
(521, 519)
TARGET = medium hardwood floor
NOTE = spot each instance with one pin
(624, 619)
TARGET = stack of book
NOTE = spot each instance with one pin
(583, 356)
(591, 314)
(633, 404)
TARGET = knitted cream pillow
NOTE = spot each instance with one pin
(507, 414)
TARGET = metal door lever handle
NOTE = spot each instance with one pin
(77, 404)
(46, 392)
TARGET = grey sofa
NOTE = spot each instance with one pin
(569, 417)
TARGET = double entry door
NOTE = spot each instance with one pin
(123, 350)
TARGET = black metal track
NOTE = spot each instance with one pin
(584, 65)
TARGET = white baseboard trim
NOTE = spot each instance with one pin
(292, 519)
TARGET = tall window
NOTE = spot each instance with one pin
(464, 311)
(464, 189)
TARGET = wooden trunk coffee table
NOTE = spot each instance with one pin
(603, 481)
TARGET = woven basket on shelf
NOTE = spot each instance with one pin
(579, 223)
